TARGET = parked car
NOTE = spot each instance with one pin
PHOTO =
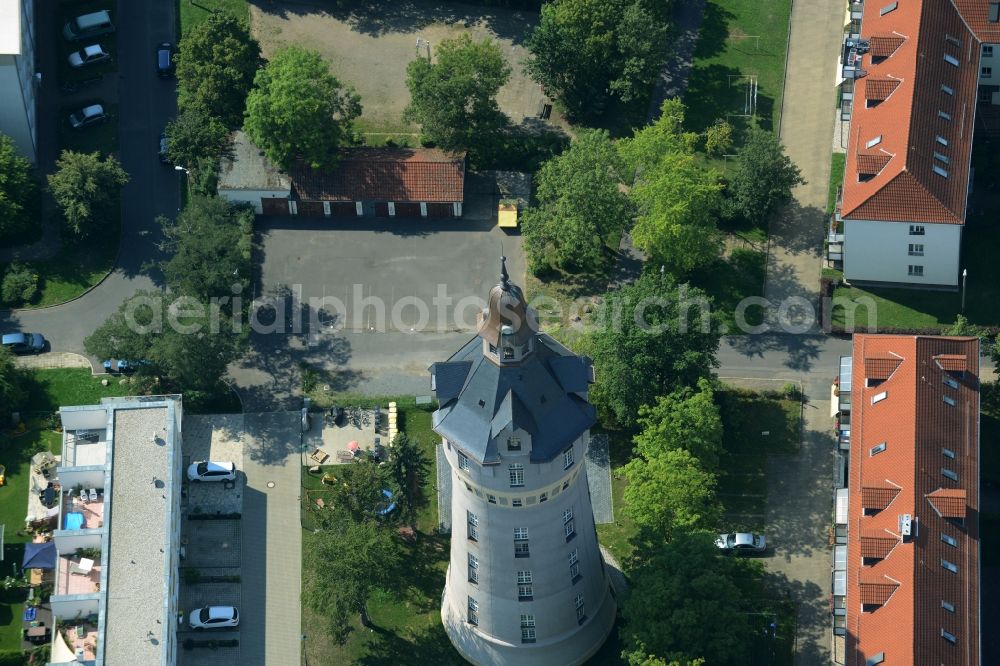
(741, 542)
(24, 343)
(163, 148)
(214, 617)
(209, 470)
(165, 60)
(89, 25)
(87, 116)
(88, 55)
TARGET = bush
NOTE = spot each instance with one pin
(20, 284)
(13, 658)
(719, 138)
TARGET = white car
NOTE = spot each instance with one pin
(741, 542)
(88, 55)
(214, 617)
(209, 470)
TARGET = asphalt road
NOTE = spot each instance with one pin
(145, 104)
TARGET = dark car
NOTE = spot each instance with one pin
(24, 343)
(163, 148)
(165, 60)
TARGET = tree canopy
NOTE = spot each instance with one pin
(670, 491)
(584, 51)
(650, 339)
(196, 135)
(86, 187)
(297, 109)
(183, 343)
(216, 64)
(18, 190)
(678, 199)
(763, 179)
(409, 468)
(581, 209)
(687, 603)
(454, 99)
(210, 243)
(686, 419)
(345, 562)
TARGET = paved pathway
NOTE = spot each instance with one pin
(796, 242)
(271, 627)
(672, 81)
(599, 480)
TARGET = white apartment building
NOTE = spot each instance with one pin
(17, 75)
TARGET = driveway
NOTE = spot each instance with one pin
(145, 104)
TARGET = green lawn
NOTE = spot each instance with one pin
(837, 161)
(738, 37)
(194, 12)
(743, 478)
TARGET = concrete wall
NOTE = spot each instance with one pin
(69, 606)
(879, 252)
(497, 638)
(85, 477)
(68, 542)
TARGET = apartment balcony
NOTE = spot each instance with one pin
(84, 448)
(857, 10)
(76, 574)
(851, 58)
(91, 511)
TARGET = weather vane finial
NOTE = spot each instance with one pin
(504, 277)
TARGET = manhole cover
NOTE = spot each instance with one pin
(270, 484)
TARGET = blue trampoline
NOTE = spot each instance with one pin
(385, 511)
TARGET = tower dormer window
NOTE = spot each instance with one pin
(508, 353)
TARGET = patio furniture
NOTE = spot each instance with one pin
(320, 503)
(83, 567)
(93, 494)
(83, 495)
(29, 613)
(345, 456)
(48, 496)
(38, 635)
(319, 455)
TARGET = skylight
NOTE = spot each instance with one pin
(879, 397)
(877, 449)
(948, 400)
(941, 172)
(949, 474)
(950, 59)
(888, 8)
(940, 139)
(952, 40)
(943, 158)
(942, 114)
(948, 90)
(874, 142)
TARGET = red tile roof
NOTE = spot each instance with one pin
(385, 174)
(880, 89)
(976, 13)
(881, 367)
(904, 590)
(948, 502)
(903, 127)
(872, 164)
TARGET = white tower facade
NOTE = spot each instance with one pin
(526, 583)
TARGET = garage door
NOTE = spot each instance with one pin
(439, 210)
(311, 208)
(407, 210)
(274, 206)
(343, 209)
(381, 209)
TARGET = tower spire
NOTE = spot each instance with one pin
(504, 277)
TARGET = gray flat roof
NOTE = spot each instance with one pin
(249, 169)
(135, 619)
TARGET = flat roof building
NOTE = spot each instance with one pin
(118, 535)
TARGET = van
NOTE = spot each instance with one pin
(89, 25)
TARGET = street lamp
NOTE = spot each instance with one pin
(180, 168)
(965, 276)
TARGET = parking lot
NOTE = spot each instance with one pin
(211, 573)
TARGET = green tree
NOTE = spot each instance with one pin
(20, 284)
(687, 603)
(86, 187)
(670, 492)
(639, 658)
(297, 109)
(185, 344)
(763, 179)
(18, 190)
(585, 50)
(677, 198)
(210, 243)
(719, 138)
(581, 210)
(454, 99)
(359, 492)
(194, 136)
(686, 419)
(216, 64)
(652, 337)
(409, 468)
(344, 562)
(13, 385)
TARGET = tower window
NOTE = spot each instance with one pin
(473, 616)
(521, 542)
(514, 444)
(508, 353)
(473, 568)
(516, 471)
(527, 628)
(581, 613)
(524, 587)
(568, 458)
(472, 521)
(463, 462)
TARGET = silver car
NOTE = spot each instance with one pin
(214, 617)
(741, 542)
(89, 55)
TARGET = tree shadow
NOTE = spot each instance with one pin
(430, 646)
(714, 31)
(812, 615)
(801, 350)
(380, 17)
(710, 96)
